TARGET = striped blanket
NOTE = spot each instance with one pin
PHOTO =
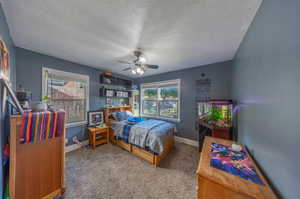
(38, 126)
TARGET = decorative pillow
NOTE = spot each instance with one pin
(136, 119)
(129, 113)
(121, 116)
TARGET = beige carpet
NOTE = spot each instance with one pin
(109, 172)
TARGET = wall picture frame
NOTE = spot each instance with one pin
(95, 118)
(109, 101)
(4, 61)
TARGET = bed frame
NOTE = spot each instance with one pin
(142, 153)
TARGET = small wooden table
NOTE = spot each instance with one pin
(217, 184)
(93, 132)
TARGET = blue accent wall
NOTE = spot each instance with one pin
(266, 79)
(5, 36)
(220, 75)
(29, 76)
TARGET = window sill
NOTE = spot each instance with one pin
(75, 124)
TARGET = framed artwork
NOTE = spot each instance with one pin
(203, 88)
(109, 101)
(95, 118)
(4, 61)
(109, 93)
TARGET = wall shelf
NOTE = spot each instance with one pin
(116, 81)
(108, 92)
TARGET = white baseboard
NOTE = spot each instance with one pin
(74, 147)
(187, 141)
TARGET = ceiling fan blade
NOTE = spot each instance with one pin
(125, 69)
(124, 62)
(152, 66)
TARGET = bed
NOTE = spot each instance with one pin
(151, 140)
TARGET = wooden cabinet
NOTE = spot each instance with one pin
(214, 131)
(224, 133)
(217, 184)
(36, 169)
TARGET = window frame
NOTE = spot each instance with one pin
(75, 76)
(158, 85)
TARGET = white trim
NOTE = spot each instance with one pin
(67, 74)
(157, 85)
(74, 147)
(75, 124)
(84, 78)
(187, 141)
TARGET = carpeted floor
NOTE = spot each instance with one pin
(109, 172)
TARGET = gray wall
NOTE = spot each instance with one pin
(29, 76)
(266, 83)
(220, 75)
(5, 36)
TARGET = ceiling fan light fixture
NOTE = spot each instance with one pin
(140, 71)
(138, 66)
(133, 71)
(142, 60)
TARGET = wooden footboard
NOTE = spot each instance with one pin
(167, 149)
(146, 155)
(124, 145)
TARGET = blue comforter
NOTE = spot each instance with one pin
(149, 134)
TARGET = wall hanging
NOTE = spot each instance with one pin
(4, 61)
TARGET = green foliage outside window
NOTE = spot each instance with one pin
(169, 93)
(150, 93)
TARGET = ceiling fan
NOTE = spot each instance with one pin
(138, 66)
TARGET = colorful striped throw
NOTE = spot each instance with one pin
(38, 126)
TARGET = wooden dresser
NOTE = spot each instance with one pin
(217, 184)
(37, 168)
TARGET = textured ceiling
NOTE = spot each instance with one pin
(173, 34)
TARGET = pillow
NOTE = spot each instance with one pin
(114, 115)
(136, 119)
(129, 113)
(121, 116)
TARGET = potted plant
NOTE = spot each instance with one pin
(41, 105)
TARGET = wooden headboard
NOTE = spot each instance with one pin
(108, 112)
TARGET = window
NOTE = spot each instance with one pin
(68, 91)
(136, 102)
(161, 99)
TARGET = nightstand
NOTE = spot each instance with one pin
(98, 136)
